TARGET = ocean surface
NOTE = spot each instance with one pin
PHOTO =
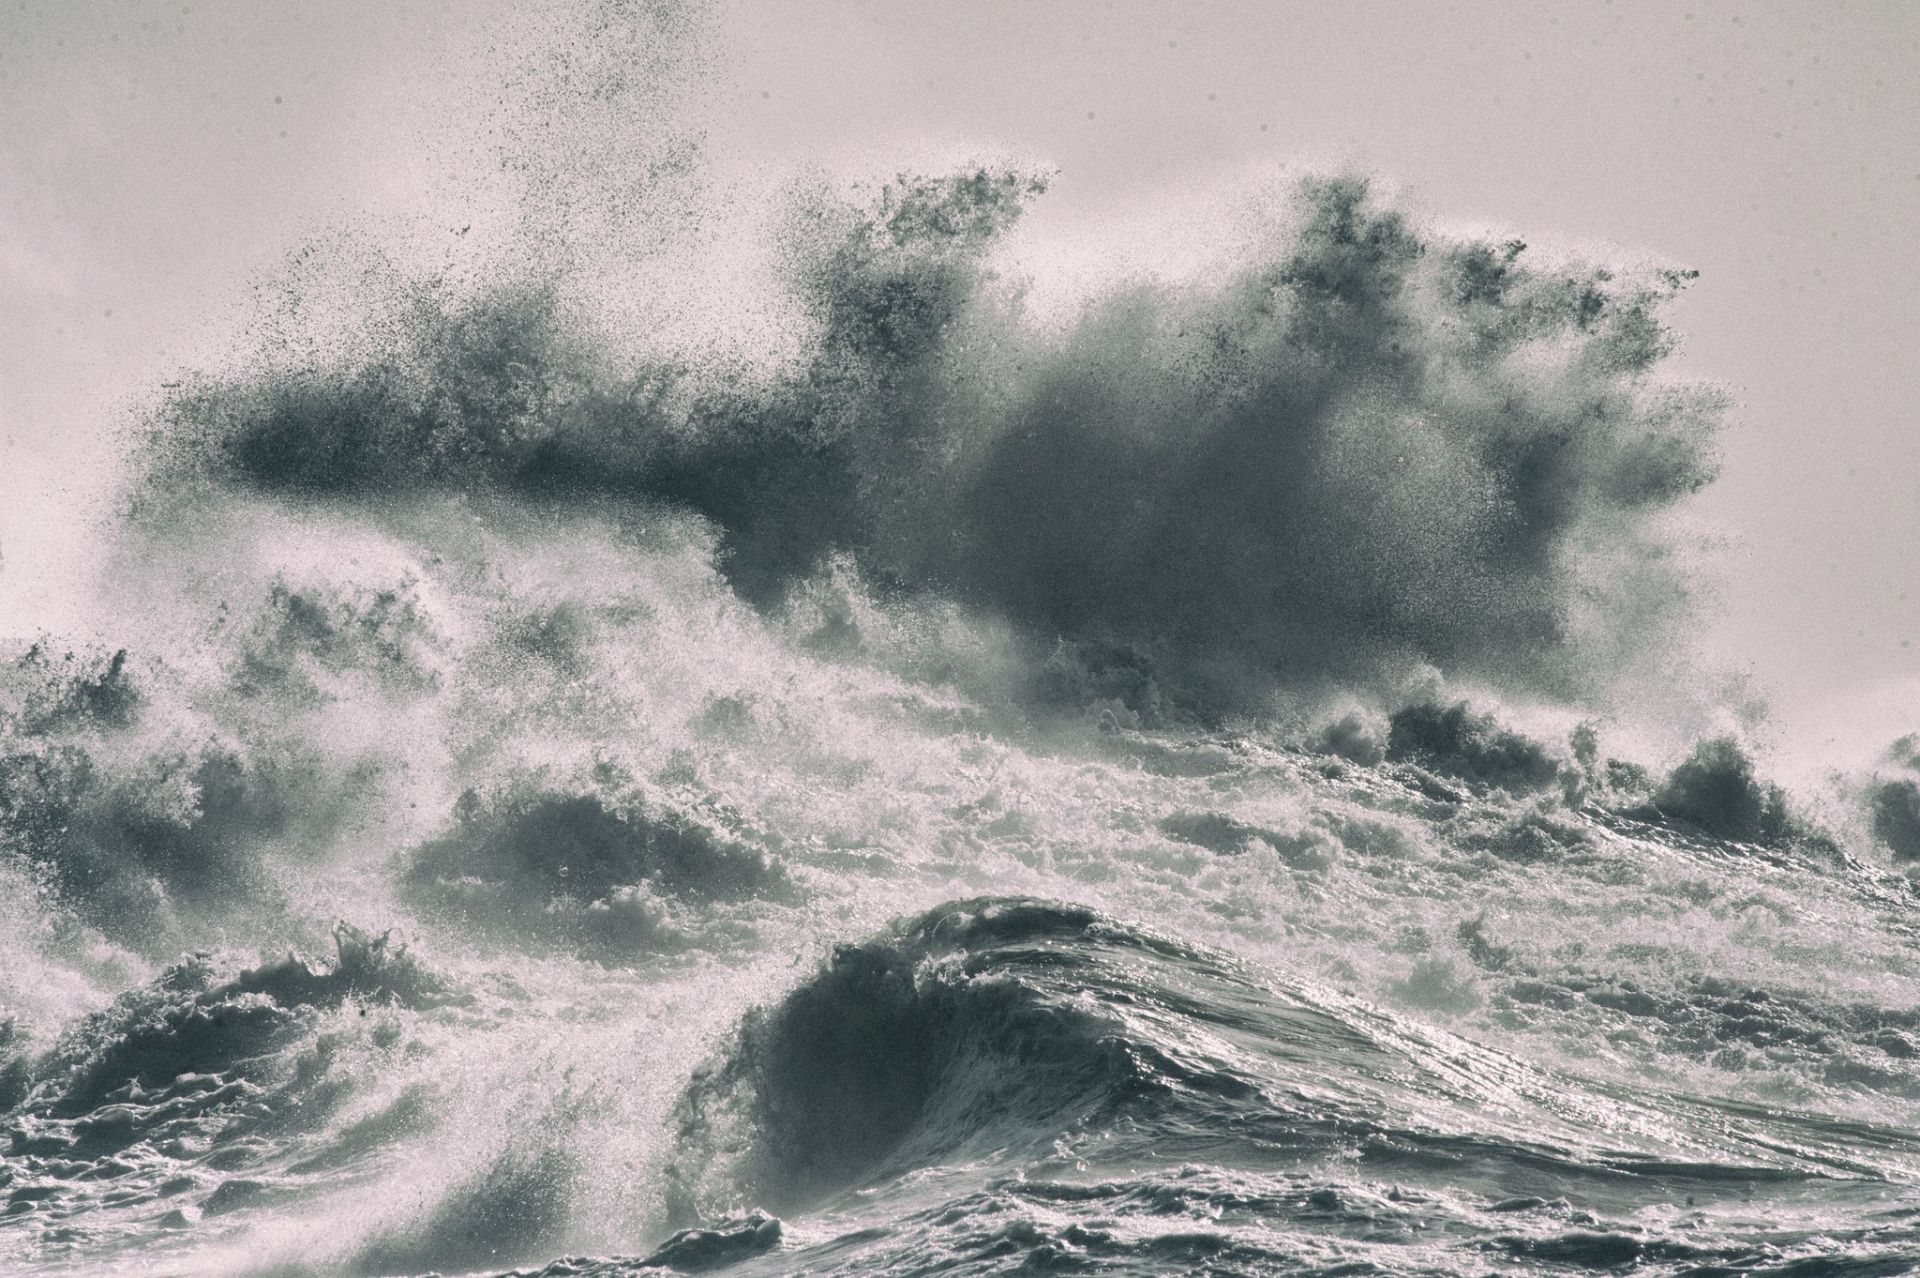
(571, 761)
(551, 901)
(850, 979)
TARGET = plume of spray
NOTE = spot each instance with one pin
(1370, 448)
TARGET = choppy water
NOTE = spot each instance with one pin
(941, 986)
(1130, 785)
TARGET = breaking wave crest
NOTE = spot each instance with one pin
(913, 1048)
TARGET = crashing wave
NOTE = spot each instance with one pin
(602, 872)
(193, 1060)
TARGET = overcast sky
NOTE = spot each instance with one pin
(155, 159)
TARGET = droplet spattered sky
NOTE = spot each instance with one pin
(155, 159)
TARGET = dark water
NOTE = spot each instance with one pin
(959, 782)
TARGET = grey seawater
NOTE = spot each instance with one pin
(1017, 1086)
(1326, 1030)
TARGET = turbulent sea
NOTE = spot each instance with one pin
(1166, 781)
(824, 965)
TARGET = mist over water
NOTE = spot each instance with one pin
(795, 726)
(1365, 448)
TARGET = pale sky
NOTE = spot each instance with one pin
(158, 158)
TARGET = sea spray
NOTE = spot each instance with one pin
(1372, 445)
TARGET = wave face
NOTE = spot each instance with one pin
(1021, 1083)
(713, 727)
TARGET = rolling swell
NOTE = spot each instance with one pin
(914, 1047)
(1181, 1106)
